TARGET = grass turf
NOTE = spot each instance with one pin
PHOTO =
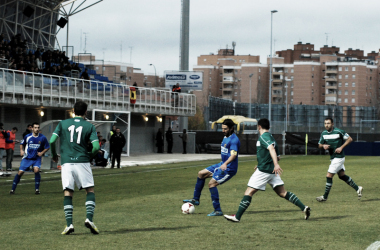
(139, 208)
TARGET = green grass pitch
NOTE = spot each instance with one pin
(140, 208)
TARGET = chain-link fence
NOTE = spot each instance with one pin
(301, 118)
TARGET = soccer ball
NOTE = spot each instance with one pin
(188, 208)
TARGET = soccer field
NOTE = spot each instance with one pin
(140, 208)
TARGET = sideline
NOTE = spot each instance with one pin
(374, 246)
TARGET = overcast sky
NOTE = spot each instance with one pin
(152, 28)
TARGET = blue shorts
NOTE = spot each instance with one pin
(219, 175)
(26, 163)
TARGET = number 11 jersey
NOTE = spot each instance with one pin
(75, 135)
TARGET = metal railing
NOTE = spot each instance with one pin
(20, 87)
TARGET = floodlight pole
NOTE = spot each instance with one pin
(270, 68)
(155, 75)
(250, 99)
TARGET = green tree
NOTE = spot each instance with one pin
(197, 122)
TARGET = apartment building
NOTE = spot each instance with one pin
(299, 76)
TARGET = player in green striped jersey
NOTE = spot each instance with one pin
(335, 140)
(74, 135)
(267, 171)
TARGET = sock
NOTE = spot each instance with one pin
(329, 183)
(244, 204)
(16, 180)
(198, 188)
(90, 205)
(68, 208)
(37, 179)
(349, 181)
(215, 198)
(294, 199)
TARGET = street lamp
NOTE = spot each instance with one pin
(250, 92)
(155, 77)
(270, 68)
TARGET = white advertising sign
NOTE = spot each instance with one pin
(188, 80)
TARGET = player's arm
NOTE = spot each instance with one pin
(345, 144)
(321, 144)
(22, 146)
(95, 148)
(277, 169)
(53, 141)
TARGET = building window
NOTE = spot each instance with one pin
(292, 85)
(312, 75)
(312, 91)
(209, 86)
(346, 92)
(339, 100)
(210, 79)
(291, 70)
(291, 101)
(340, 76)
(353, 68)
(286, 70)
(259, 70)
(353, 84)
(291, 93)
(259, 77)
(353, 92)
(204, 59)
(353, 76)
(340, 68)
(345, 76)
(346, 68)
(312, 83)
(346, 84)
(291, 78)
(340, 84)
(312, 68)
(353, 100)
(339, 92)
(235, 93)
(209, 72)
(345, 100)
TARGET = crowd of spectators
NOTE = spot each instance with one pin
(19, 57)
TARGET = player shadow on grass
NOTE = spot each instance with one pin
(313, 218)
(377, 199)
(132, 230)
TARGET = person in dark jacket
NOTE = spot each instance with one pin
(160, 141)
(117, 142)
(184, 141)
(27, 131)
(169, 139)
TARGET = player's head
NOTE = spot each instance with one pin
(329, 123)
(30, 127)
(263, 123)
(118, 130)
(228, 127)
(80, 108)
(14, 130)
(35, 128)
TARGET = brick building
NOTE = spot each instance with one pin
(300, 76)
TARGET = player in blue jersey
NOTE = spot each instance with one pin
(220, 172)
(35, 145)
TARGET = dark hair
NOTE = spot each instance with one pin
(35, 123)
(29, 125)
(15, 128)
(229, 123)
(80, 108)
(329, 118)
(264, 123)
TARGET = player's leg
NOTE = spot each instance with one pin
(90, 208)
(68, 183)
(202, 176)
(359, 189)
(24, 165)
(37, 178)
(280, 191)
(334, 167)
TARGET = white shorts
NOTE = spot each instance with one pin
(260, 179)
(76, 173)
(336, 165)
